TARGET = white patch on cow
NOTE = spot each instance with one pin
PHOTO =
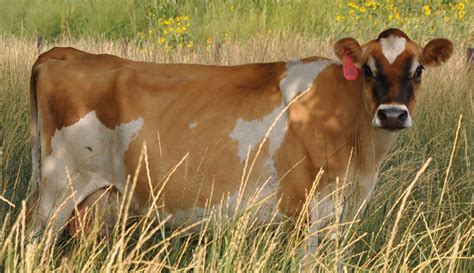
(371, 63)
(414, 66)
(392, 46)
(300, 76)
(250, 133)
(193, 125)
(92, 156)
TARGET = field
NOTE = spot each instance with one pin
(420, 217)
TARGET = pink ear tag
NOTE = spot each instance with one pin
(350, 70)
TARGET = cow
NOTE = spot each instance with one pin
(185, 137)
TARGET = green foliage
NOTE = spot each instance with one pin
(440, 17)
(235, 20)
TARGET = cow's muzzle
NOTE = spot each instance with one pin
(392, 117)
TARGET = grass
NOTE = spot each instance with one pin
(419, 219)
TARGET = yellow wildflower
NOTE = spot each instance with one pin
(339, 18)
(461, 6)
(162, 40)
(351, 12)
(396, 16)
(209, 40)
(426, 9)
(362, 9)
(461, 14)
(190, 44)
(371, 4)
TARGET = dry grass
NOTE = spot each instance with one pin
(420, 218)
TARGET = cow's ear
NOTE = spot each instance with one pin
(350, 46)
(436, 52)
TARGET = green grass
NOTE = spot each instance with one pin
(433, 231)
(235, 20)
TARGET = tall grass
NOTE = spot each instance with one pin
(419, 219)
(428, 227)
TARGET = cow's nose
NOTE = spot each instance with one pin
(392, 115)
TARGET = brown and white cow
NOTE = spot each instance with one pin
(207, 129)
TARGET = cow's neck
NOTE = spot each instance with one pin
(339, 124)
(373, 145)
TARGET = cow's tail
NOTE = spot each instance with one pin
(35, 144)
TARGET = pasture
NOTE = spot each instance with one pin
(419, 219)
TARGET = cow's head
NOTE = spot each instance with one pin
(392, 67)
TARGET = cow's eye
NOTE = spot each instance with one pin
(368, 72)
(418, 72)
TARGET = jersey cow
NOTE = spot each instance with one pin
(202, 131)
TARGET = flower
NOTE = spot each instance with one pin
(461, 6)
(162, 40)
(362, 9)
(426, 9)
(339, 18)
(371, 4)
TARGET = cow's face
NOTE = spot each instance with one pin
(392, 68)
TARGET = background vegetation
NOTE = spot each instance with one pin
(428, 227)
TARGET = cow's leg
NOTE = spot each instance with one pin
(332, 208)
(325, 211)
(100, 208)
